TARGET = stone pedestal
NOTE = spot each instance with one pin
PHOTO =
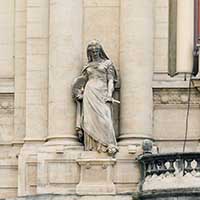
(96, 175)
(58, 172)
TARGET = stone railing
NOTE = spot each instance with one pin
(169, 171)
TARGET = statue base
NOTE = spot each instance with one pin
(96, 176)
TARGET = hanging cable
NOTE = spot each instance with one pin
(187, 113)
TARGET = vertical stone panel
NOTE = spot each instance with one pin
(7, 38)
(101, 22)
(37, 70)
(172, 47)
(20, 71)
(161, 36)
(185, 35)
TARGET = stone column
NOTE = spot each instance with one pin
(37, 71)
(136, 67)
(37, 33)
(65, 61)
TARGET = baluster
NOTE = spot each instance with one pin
(157, 167)
(171, 168)
(159, 164)
(154, 168)
(148, 169)
(197, 168)
(180, 164)
(161, 167)
(188, 167)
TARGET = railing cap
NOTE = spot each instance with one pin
(167, 156)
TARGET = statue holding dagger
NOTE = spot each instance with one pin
(93, 93)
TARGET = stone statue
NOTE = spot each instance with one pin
(147, 146)
(93, 91)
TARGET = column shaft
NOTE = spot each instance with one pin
(136, 66)
(65, 60)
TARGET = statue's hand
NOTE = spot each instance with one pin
(79, 97)
(108, 99)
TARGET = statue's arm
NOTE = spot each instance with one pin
(111, 74)
(110, 87)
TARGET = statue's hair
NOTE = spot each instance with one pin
(101, 51)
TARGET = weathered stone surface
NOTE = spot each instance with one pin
(96, 175)
(58, 171)
(42, 44)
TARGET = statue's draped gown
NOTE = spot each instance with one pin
(97, 121)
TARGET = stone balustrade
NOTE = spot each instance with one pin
(169, 171)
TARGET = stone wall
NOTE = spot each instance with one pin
(171, 94)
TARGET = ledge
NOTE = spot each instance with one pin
(179, 194)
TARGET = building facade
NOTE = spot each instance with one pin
(42, 49)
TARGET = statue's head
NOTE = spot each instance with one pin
(95, 51)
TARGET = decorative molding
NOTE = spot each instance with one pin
(6, 103)
(7, 86)
(175, 96)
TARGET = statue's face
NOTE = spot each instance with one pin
(95, 52)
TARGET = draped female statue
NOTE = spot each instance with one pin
(93, 91)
